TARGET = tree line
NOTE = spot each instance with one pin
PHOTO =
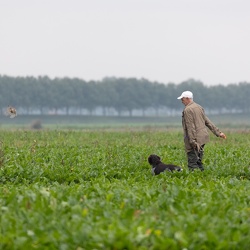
(116, 96)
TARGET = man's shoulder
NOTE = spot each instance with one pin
(192, 106)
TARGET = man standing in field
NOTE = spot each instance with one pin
(194, 123)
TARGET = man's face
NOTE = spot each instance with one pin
(185, 100)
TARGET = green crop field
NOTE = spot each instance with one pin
(94, 190)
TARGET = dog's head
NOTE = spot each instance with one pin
(154, 159)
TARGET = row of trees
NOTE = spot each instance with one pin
(116, 96)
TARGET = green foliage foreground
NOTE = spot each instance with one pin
(94, 190)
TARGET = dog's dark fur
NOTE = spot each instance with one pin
(158, 166)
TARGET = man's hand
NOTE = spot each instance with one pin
(222, 135)
(196, 146)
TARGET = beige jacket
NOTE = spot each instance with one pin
(195, 123)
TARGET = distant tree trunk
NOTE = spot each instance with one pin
(67, 110)
(104, 111)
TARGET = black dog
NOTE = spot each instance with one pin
(158, 166)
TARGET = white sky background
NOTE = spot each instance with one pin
(160, 40)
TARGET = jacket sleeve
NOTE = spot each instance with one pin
(212, 127)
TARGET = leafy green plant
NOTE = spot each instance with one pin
(94, 190)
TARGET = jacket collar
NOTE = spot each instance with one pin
(190, 103)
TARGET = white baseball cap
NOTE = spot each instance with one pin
(187, 94)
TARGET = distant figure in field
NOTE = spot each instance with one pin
(195, 124)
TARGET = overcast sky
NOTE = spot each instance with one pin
(160, 40)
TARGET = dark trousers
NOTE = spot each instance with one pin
(195, 159)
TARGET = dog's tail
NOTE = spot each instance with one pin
(177, 168)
